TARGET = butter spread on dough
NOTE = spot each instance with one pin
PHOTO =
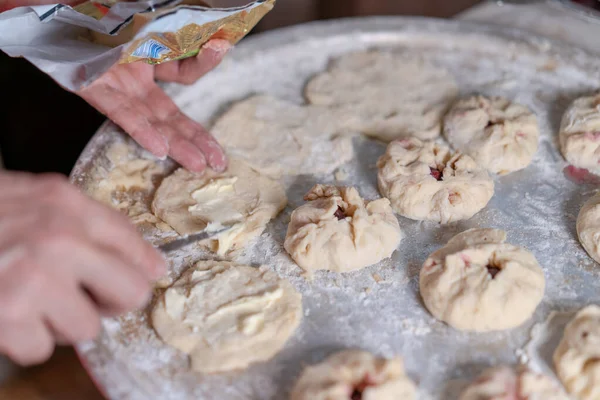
(503, 383)
(354, 374)
(385, 95)
(588, 227)
(500, 135)
(227, 316)
(277, 137)
(476, 282)
(577, 358)
(427, 181)
(339, 231)
(240, 196)
(580, 133)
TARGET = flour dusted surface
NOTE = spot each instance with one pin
(378, 308)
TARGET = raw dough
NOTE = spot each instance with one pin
(427, 181)
(339, 231)
(354, 375)
(385, 95)
(588, 227)
(503, 383)
(479, 283)
(577, 358)
(500, 135)
(189, 203)
(227, 316)
(277, 137)
(128, 184)
(580, 133)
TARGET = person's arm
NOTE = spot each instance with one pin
(129, 96)
(65, 261)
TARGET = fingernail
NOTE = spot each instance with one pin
(219, 167)
(220, 46)
(218, 162)
(197, 165)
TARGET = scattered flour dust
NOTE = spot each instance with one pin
(536, 207)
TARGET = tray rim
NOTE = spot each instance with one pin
(296, 33)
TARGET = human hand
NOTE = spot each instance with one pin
(65, 260)
(128, 95)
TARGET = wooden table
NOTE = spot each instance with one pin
(61, 378)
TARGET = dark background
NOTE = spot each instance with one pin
(45, 128)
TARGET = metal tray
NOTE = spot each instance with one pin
(378, 308)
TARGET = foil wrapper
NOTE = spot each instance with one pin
(76, 44)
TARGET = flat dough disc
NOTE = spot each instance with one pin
(427, 181)
(500, 135)
(385, 95)
(190, 202)
(227, 316)
(577, 357)
(354, 374)
(339, 231)
(127, 185)
(277, 137)
(505, 383)
(580, 133)
(479, 283)
(588, 227)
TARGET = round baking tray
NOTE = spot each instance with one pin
(378, 308)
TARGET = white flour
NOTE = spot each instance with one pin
(379, 308)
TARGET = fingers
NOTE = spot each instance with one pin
(61, 210)
(191, 69)
(64, 261)
(186, 153)
(190, 144)
(113, 231)
(69, 313)
(128, 95)
(214, 154)
(112, 282)
(26, 342)
(129, 112)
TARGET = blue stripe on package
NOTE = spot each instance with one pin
(150, 49)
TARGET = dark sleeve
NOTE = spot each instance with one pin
(43, 128)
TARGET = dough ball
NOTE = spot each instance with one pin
(190, 203)
(427, 181)
(479, 283)
(227, 316)
(385, 95)
(277, 137)
(588, 227)
(354, 375)
(500, 135)
(339, 231)
(580, 133)
(577, 358)
(503, 383)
